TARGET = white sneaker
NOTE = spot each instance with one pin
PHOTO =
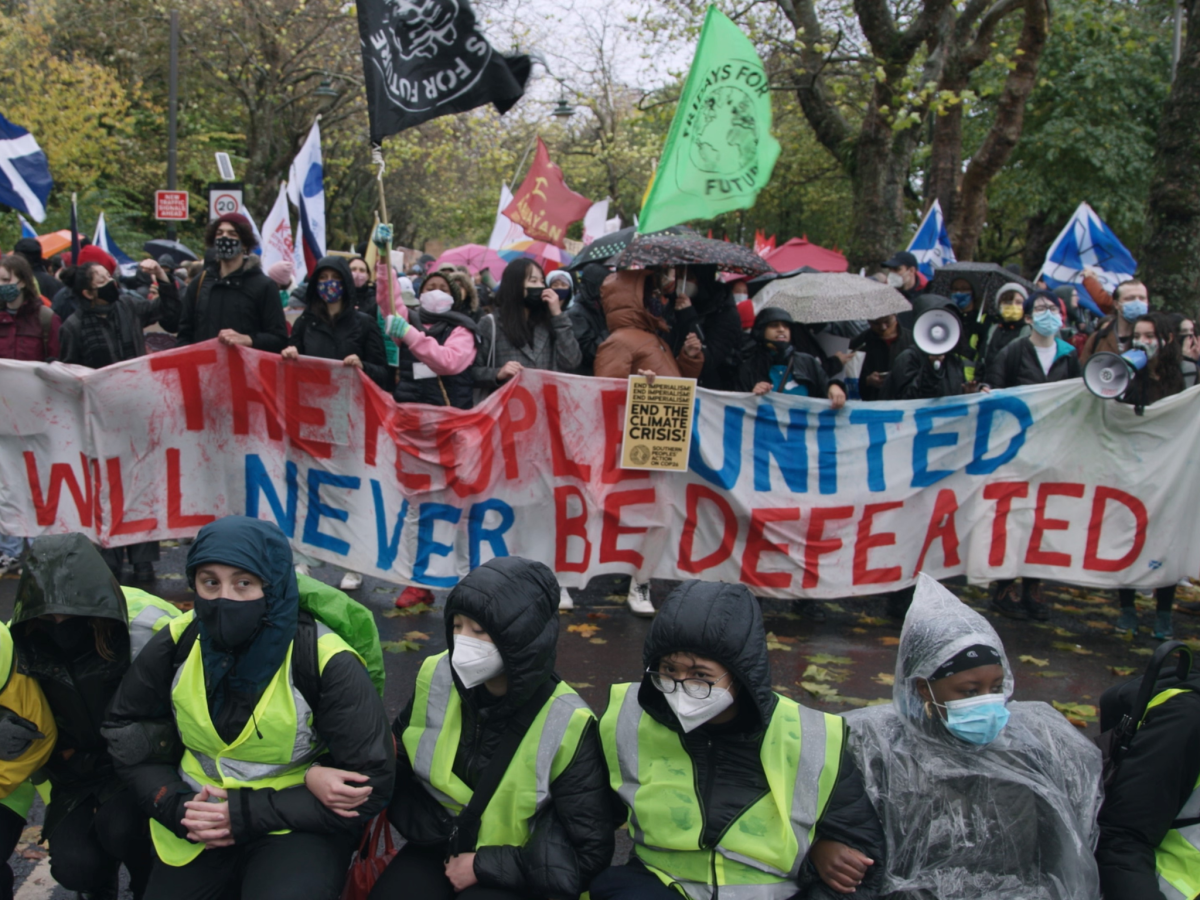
(13, 564)
(302, 569)
(351, 581)
(639, 600)
(564, 600)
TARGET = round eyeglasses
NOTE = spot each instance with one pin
(696, 688)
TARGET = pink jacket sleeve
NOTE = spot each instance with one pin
(450, 358)
(381, 294)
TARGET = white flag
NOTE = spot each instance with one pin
(505, 231)
(595, 221)
(278, 244)
(306, 190)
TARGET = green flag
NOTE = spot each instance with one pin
(720, 152)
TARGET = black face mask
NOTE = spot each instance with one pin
(109, 293)
(227, 247)
(71, 635)
(780, 353)
(533, 297)
(564, 294)
(231, 623)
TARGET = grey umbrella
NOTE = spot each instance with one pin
(831, 297)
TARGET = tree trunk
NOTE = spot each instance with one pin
(1172, 244)
(945, 158)
(880, 175)
(1040, 232)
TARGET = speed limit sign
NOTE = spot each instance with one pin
(224, 198)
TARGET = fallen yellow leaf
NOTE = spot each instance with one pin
(1033, 660)
(416, 636)
(885, 678)
(584, 629)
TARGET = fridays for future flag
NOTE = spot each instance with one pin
(720, 152)
(25, 181)
(1087, 243)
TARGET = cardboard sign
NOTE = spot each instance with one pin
(171, 206)
(658, 423)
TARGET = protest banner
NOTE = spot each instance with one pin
(658, 423)
(782, 493)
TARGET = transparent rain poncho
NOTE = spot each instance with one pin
(1012, 820)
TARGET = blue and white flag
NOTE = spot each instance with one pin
(27, 230)
(104, 241)
(25, 181)
(1087, 243)
(931, 244)
(306, 190)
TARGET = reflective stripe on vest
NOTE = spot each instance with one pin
(431, 742)
(147, 615)
(274, 749)
(757, 856)
(1177, 858)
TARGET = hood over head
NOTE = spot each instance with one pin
(722, 622)
(622, 299)
(590, 278)
(341, 266)
(516, 602)
(64, 574)
(261, 549)
(938, 627)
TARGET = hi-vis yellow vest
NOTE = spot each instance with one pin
(759, 855)
(147, 616)
(1177, 858)
(274, 749)
(431, 742)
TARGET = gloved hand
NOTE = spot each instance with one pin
(382, 236)
(396, 327)
(16, 734)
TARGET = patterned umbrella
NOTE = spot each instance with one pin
(605, 248)
(545, 255)
(831, 297)
(685, 250)
(985, 279)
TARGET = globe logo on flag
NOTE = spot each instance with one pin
(726, 132)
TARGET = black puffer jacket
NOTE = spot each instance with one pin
(723, 623)
(805, 370)
(587, 315)
(881, 356)
(246, 301)
(913, 377)
(516, 602)
(1154, 782)
(352, 332)
(1018, 364)
(715, 312)
(64, 574)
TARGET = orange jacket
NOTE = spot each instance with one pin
(635, 340)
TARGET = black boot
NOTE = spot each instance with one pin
(143, 573)
(1006, 600)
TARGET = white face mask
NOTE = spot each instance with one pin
(896, 280)
(474, 660)
(693, 713)
(689, 289)
(436, 301)
(740, 298)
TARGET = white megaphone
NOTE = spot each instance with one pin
(937, 331)
(1107, 375)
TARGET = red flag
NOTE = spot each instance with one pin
(544, 206)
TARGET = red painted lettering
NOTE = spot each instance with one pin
(564, 467)
(242, 394)
(116, 500)
(175, 516)
(456, 430)
(941, 527)
(757, 544)
(408, 424)
(1091, 555)
(187, 364)
(1003, 493)
(687, 542)
(613, 529)
(1035, 555)
(60, 474)
(297, 414)
(817, 545)
(567, 526)
(613, 403)
(866, 541)
(510, 428)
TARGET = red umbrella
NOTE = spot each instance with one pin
(799, 252)
(475, 257)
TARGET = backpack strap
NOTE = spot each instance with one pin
(46, 320)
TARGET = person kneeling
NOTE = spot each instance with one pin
(981, 799)
(257, 691)
(500, 789)
(731, 789)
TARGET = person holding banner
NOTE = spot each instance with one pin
(500, 790)
(981, 798)
(528, 329)
(231, 300)
(730, 789)
(774, 365)
(217, 726)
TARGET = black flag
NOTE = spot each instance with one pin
(425, 58)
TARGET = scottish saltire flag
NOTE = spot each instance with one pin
(306, 190)
(931, 244)
(25, 181)
(1087, 243)
(102, 239)
(27, 230)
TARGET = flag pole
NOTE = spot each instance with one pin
(377, 158)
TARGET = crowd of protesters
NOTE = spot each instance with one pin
(242, 748)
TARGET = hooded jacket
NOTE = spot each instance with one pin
(1013, 818)
(715, 312)
(246, 300)
(29, 333)
(1018, 364)
(724, 623)
(348, 714)
(516, 602)
(352, 332)
(64, 574)
(587, 315)
(122, 325)
(637, 340)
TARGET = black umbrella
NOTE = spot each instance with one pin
(985, 280)
(605, 248)
(689, 250)
(173, 249)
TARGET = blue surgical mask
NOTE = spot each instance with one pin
(962, 298)
(1047, 322)
(977, 720)
(1131, 309)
